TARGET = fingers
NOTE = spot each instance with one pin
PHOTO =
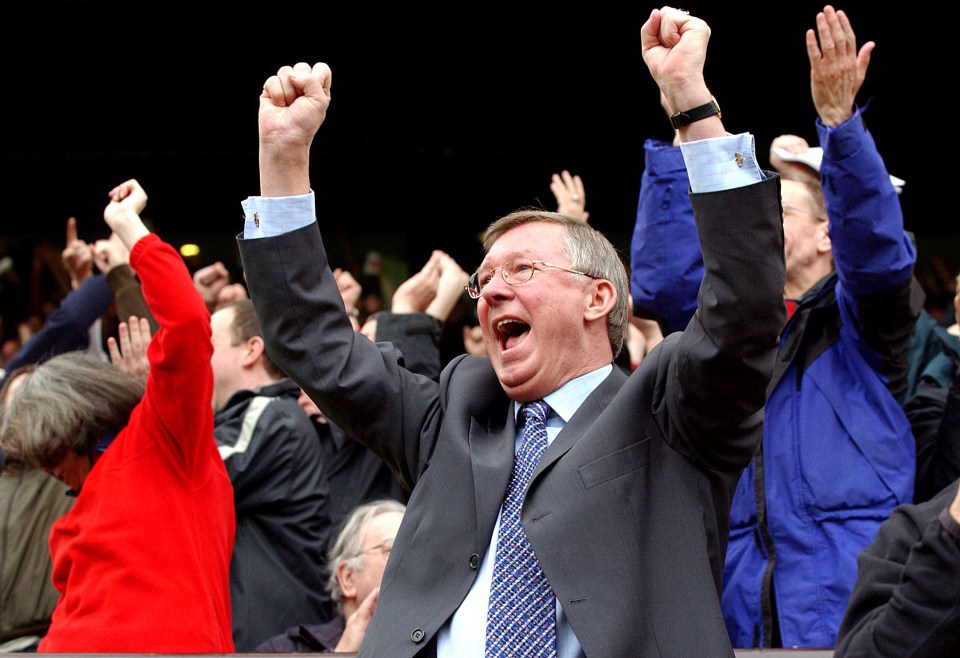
(813, 50)
(129, 353)
(145, 333)
(120, 192)
(836, 34)
(71, 230)
(433, 264)
(131, 191)
(843, 31)
(135, 338)
(115, 357)
(566, 186)
(273, 89)
(369, 604)
(840, 38)
(322, 73)
(650, 32)
(792, 143)
(575, 184)
(231, 292)
(207, 276)
(287, 85)
(823, 31)
(107, 254)
(123, 331)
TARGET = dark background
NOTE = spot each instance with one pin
(444, 116)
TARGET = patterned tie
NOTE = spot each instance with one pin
(521, 617)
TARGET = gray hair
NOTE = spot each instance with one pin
(588, 251)
(69, 402)
(346, 549)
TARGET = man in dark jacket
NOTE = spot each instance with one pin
(905, 601)
(274, 461)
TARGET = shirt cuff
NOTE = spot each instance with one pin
(721, 163)
(267, 217)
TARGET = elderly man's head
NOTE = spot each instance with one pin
(359, 555)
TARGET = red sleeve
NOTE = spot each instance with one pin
(180, 384)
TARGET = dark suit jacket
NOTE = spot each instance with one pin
(628, 509)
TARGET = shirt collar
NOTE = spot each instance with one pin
(565, 401)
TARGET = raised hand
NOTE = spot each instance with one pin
(674, 46)
(355, 626)
(122, 214)
(210, 281)
(450, 286)
(110, 253)
(792, 170)
(131, 354)
(837, 70)
(77, 256)
(293, 105)
(349, 288)
(570, 195)
(415, 294)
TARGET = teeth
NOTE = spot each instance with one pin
(504, 323)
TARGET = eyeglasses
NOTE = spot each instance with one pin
(514, 272)
(788, 208)
(385, 547)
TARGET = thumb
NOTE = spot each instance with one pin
(863, 59)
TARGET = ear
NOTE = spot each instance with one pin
(253, 352)
(600, 301)
(345, 575)
(824, 246)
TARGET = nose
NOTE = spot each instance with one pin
(496, 288)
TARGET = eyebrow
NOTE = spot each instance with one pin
(508, 257)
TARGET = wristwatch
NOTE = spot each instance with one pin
(685, 118)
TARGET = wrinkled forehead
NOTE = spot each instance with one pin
(535, 240)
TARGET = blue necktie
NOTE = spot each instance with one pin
(521, 617)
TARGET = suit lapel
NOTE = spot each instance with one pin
(491, 456)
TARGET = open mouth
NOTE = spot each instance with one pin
(511, 332)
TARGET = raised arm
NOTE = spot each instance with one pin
(293, 105)
(674, 46)
(733, 333)
(873, 255)
(179, 386)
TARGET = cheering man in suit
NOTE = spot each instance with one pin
(620, 542)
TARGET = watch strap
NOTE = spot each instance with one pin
(685, 118)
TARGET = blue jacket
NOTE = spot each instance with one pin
(837, 453)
